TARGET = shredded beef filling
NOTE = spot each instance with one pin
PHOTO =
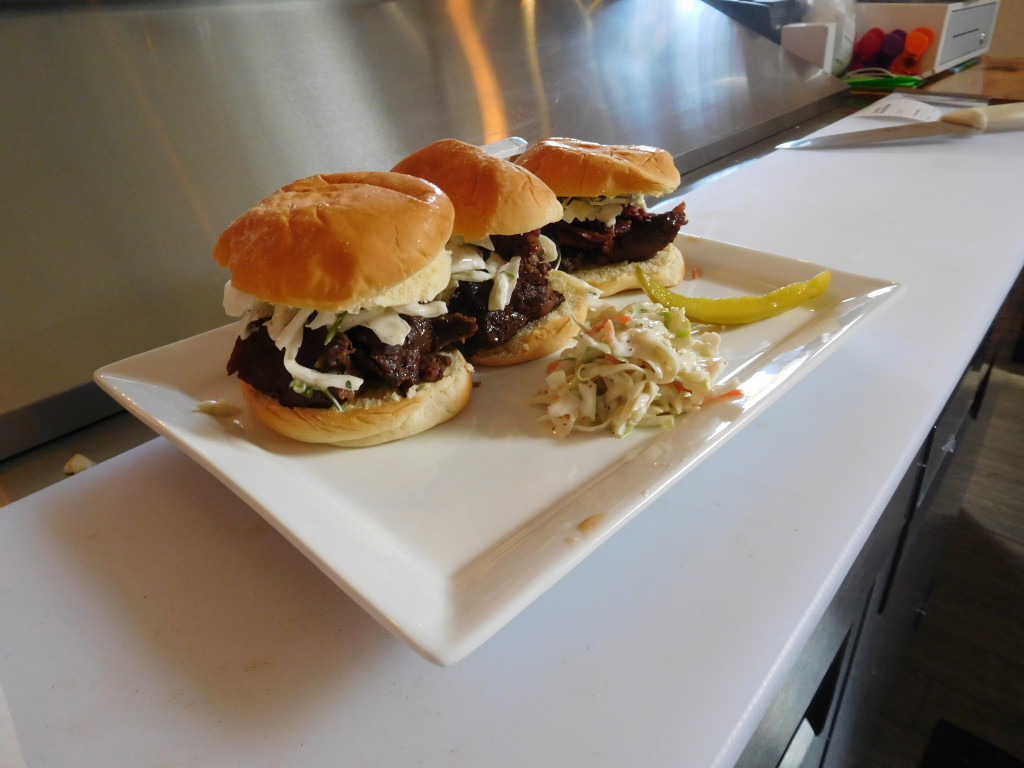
(636, 235)
(532, 298)
(259, 363)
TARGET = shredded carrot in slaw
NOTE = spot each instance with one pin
(636, 368)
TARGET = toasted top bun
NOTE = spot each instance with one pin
(574, 168)
(342, 241)
(371, 418)
(547, 334)
(492, 196)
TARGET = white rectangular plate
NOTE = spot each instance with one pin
(444, 537)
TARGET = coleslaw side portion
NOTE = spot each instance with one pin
(637, 366)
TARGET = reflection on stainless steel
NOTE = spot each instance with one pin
(481, 70)
(131, 135)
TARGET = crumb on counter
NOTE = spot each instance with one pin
(78, 463)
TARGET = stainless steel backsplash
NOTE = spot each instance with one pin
(132, 134)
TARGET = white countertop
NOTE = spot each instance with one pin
(149, 618)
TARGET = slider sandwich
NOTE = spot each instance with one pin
(606, 229)
(341, 341)
(503, 272)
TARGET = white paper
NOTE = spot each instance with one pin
(902, 108)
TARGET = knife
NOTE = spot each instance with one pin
(959, 122)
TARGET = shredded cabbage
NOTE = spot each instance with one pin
(603, 209)
(638, 366)
(475, 261)
(286, 325)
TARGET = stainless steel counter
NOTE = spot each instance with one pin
(132, 134)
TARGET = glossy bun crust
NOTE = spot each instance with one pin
(342, 241)
(370, 419)
(492, 196)
(575, 168)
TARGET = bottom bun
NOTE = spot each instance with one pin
(547, 334)
(370, 419)
(666, 267)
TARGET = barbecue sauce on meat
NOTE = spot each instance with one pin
(532, 298)
(259, 363)
(468, 325)
(636, 235)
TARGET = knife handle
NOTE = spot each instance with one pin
(998, 117)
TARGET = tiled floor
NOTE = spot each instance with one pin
(969, 652)
(965, 662)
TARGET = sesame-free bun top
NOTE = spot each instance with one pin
(342, 241)
(575, 168)
(491, 195)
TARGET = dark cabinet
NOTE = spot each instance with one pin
(818, 717)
